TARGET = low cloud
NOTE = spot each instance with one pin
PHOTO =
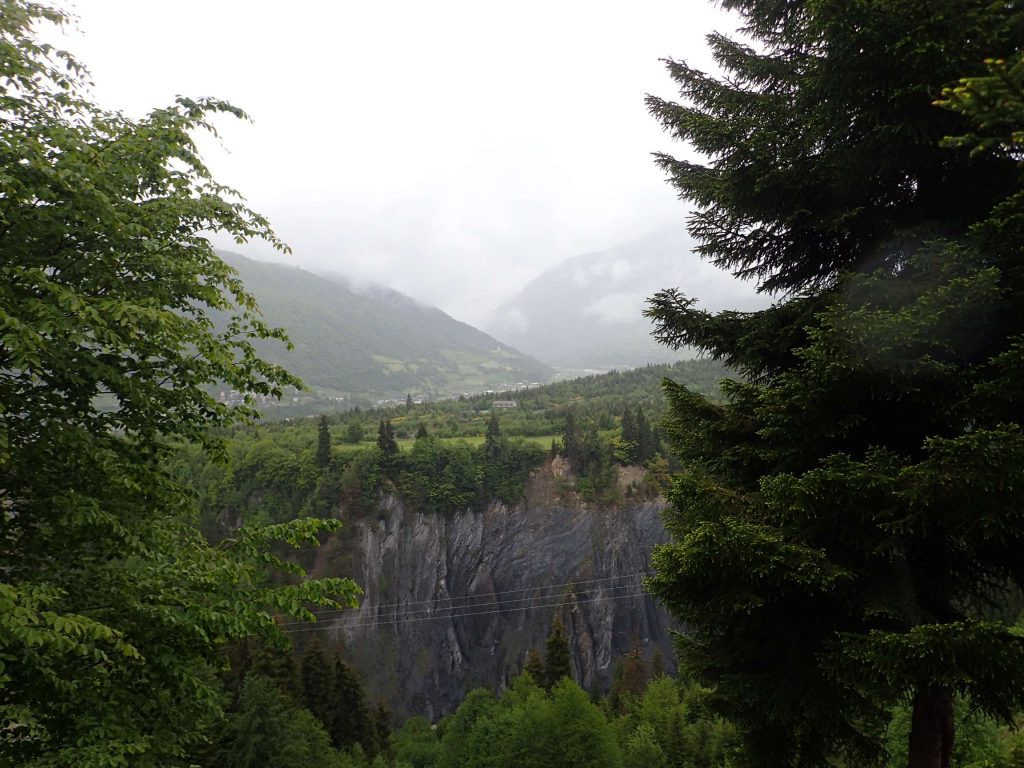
(614, 308)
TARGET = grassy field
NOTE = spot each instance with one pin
(405, 444)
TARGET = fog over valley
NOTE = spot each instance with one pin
(452, 151)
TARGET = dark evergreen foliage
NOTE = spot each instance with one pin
(492, 437)
(847, 521)
(386, 439)
(316, 679)
(252, 656)
(657, 665)
(557, 655)
(571, 438)
(824, 143)
(631, 681)
(269, 730)
(323, 444)
(380, 717)
(630, 433)
(348, 720)
(535, 666)
(644, 438)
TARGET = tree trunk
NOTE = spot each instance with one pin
(931, 728)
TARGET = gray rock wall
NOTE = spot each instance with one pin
(455, 602)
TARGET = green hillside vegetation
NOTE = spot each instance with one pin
(310, 711)
(540, 411)
(114, 610)
(443, 456)
(375, 342)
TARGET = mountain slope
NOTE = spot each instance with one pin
(586, 312)
(375, 341)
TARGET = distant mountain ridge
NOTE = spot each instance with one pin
(586, 312)
(375, 340)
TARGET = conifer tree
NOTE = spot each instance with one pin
(421, 431)
(634, 672)
(571, 438)
(323, 444)
(535, 666)
(317, 683)
(656, 446)
(558, 658)
(380, 718)
(657, 665)
(629, 680)
(269, 730)
(629, 434)
(252, 656)
(811, 175)
(492, 438)
(846, 523)
(386, 439)
(615, 703)
(644, 436)
(349, 721)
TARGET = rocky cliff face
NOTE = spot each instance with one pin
(456, 602)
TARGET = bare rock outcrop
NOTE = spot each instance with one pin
(454, 602)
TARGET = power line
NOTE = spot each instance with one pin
(574, 583)
(337, 623)
(435, 603)
(507, 604)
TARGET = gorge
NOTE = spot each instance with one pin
(456, 601)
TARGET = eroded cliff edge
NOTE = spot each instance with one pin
(454, 602)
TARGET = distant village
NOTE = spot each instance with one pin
(236, 398)
(502, 388)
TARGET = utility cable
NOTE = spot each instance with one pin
(506, 603)
(435, 604)
(338, 623)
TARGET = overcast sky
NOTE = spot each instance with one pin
(451, 150)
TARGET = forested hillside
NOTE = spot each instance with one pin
(445, 456)
(546, 509)
(375, 341)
